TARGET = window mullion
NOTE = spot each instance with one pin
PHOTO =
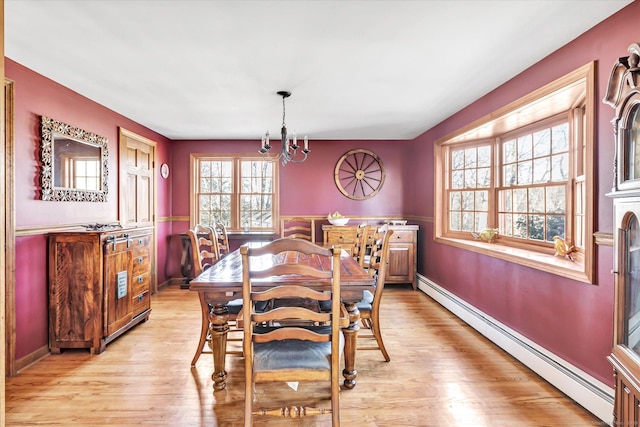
(236, 194)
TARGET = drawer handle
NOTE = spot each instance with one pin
(140, 297)
(139, 260)
(139, 241)
(398, 237)
(139, 279)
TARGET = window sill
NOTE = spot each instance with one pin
(540, 261)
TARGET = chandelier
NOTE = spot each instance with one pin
(289, 149)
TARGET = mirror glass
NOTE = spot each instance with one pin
(74, 163)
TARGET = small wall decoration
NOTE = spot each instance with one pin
(164, 170)
(359, 174)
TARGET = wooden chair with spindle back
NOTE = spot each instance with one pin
(360, 246)
(369, 307)
(223, 239)
(285, 351)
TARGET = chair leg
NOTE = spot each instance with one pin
(366, 323)
(375, 328)
(204, 330)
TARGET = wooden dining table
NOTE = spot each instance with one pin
(222, 283)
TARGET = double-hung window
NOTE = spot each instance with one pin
(523, 172)
(240, 191)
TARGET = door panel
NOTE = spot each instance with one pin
(400, 262)
(137, 187)
(139, 162)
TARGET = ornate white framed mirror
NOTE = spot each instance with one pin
(73, 163)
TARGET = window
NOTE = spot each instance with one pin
(532, 198)
(239, 191)
(524, 170)
(81, 173)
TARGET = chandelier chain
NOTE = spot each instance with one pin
(283, 113)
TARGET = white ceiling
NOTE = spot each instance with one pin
(357, 69)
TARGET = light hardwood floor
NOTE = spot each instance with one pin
(442, 373)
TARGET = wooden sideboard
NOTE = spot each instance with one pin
(99, 286)
(402, 249)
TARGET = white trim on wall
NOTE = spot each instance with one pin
(587, 391)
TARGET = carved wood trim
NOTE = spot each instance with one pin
(623, 95)
(603, 239)
(49, 127)
(9, 232)
(46, 229)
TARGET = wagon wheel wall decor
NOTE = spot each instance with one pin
(359, 174)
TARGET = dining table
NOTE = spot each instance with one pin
(222, 283)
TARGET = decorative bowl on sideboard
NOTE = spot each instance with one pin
(338, 221)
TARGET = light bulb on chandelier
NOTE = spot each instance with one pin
(289, 150)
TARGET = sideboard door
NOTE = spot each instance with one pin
(117, 280)
(75, 292)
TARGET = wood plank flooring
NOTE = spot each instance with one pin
(442, 373)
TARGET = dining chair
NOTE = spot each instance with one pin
(289, 352)
(205, 253)
(223, 238)
(369, 307)
(360, 246)
(298, 228)
(204, 247)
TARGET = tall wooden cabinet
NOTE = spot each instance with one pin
(99, 286)
(623, 94)
(402, 249)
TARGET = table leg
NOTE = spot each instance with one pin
(350, 343)
(219, 326)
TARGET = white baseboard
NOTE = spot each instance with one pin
(587, 391)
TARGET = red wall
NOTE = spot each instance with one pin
(307, 188)
(36, 95)
(571, 319)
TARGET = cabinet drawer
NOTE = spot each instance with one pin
(140, 245)
(140, 283)
(141, 264)
(141, 302)
(341, 237)
(401, 236)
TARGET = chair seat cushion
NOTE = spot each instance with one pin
(366, 301)
(293, 354)
(363, 304)
(235, 306)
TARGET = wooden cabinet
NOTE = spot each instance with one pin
(99, 286)
(402, 249)
(625, 356)
(623, 94)
(402, 255)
